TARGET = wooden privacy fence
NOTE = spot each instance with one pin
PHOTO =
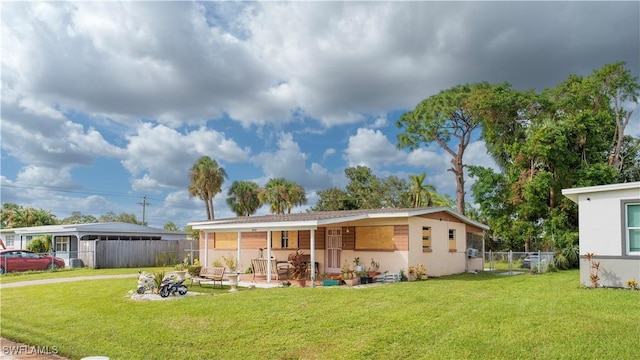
(139, 253)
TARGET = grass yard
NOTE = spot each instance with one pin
(481, 316)
(71, 272)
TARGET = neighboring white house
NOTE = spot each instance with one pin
(609, 227)
(85, 241)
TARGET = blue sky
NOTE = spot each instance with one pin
(106, 102)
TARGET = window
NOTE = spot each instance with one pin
(62, 244)
(284, 239)
(10, 241)
(633, 228)
(452, 240)
(426, 238)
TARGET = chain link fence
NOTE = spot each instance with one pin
(518, 262)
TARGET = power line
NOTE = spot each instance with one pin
(92, 192)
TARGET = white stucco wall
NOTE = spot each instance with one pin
(600, 221)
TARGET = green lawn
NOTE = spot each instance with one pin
(481, 316)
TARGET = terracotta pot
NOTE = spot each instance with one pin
(301, 282)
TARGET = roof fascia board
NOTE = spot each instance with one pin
(267, 226)
(573, 193)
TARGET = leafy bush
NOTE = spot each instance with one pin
(41, 244)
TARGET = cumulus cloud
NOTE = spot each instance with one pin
(371, 148)
(161, 157)
(288, 161)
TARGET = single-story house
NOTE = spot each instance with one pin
(103, 245)
(609, 227)
(444, 241)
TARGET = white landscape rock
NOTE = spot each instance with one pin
(150, 296)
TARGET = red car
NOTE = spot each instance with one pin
(24, 260)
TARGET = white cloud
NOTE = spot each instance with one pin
(289, 162)
(163, 156)
(372, 148)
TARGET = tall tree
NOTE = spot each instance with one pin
(206, 181)
(618, 87)
(448, 118)
(243, 198)
(364, 188)
(124, 217)
(78, 218)
(333, 199)
(630, 154)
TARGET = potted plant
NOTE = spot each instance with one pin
(298, 269)
(356, 263)
(363, 275)
(373, 269)
(181, 268)
(231, 263)
(348, 274)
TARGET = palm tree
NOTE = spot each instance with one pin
(295, 195)
(274, 193)
(282, 194)
(243, 198)
(421, 193)
(206, 181)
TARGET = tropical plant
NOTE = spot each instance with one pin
(16, 216)
(206, 181)
(282, 195)
(299, 267)
(243, 198)
(420, 192)
(594, 269)
(170, 226)
(157, 279)
(346, 272)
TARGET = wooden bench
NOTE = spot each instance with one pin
(209, 275)
(259, 266)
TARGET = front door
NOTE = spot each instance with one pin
(334, 250)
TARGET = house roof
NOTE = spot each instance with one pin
(573, 194)
(103, 228)
(312, 220)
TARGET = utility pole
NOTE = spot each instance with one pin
(144, 204)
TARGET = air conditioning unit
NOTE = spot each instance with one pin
(472, 253)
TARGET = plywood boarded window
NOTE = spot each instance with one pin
(426, 238)
(226, 240)
(374, 238)
(287, 239)
(452, 239)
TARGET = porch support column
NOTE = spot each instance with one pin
(268, 256)
(313, 257)
(206, 248)
(239, 253)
